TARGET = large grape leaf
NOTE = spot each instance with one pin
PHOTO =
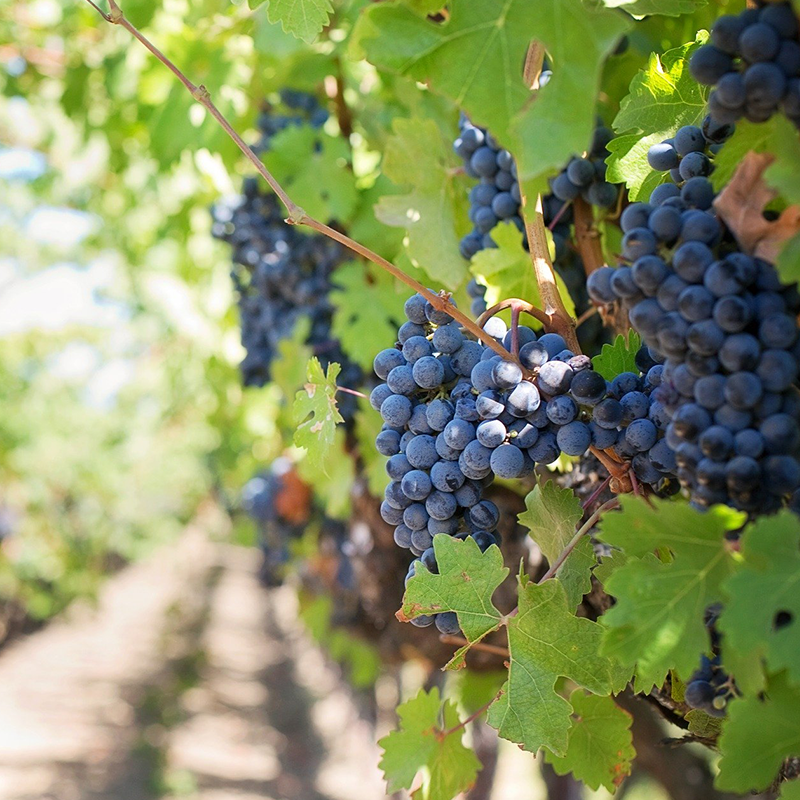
(578, 37)
(662, 98)
(618, 357)
(546, 642)
(600, 748)
(368, 310)
(316, 412)
(465, 584)
(551, 516)
(657, 621)
(423, 741)
(417, 155)
(476, 58)
(666, 8)
(762, 612)
(312, 167)
(506, 271)
(759, 734)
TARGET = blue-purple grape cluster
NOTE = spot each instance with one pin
(753, 63)
(457, 415)
(496, 198)
(688, 157)
(281, 276)
(725, 328)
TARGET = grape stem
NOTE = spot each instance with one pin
(579, 534)
(351, 391)
(596, 493)
(587, 236)
(471, 718)
(297, 216)
(533, 218)
(515, 304)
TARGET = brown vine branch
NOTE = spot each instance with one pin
(297, 216)
(560, 320)
(587, 236)
(579, 534)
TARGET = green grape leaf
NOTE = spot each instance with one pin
(366, 228)
(790, 790)
(662, 98)
(666, 8)
(506, 271)
(423, 741)
(762, 612)
(600, 748)
(783, 174)
(368, 308)
(316, 412)
(417, 155)
(546, 642)
(657, 621)
(425, 7)
(618, 357)
(368, 426)
(788, 263)
(552, 515)
(757, 736)
(476, 58)
(578, 38)
(747, 136)
(627, 163)
(465, 584)
(302, 18)
(312, 167)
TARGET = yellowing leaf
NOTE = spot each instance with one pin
(600, 749)
(506, 271)
(546, 641)
(423, 742)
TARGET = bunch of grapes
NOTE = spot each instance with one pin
(688, 158)
(457, 415)
(281, 276)
(299, 108)
(753, 63)
(727, 329)
(496, 198)
(585, 176)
